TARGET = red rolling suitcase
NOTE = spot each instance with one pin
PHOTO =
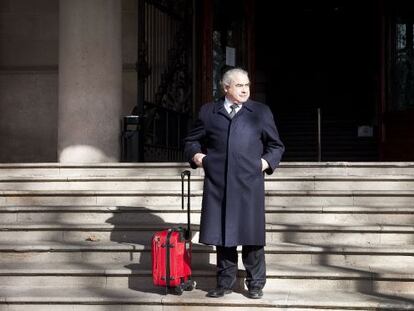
(171, 252)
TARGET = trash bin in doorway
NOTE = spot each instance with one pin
(131, 139)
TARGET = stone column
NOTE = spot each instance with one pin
(90, 81)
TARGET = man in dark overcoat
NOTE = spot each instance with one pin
(235, 140)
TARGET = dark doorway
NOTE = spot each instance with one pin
(397, 77)
(317, 54)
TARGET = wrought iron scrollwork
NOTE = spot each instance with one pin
(174, 91)
(175, 8)
(164, 67)
(142, 66)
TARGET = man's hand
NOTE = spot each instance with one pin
(265, 165)
(198, 159)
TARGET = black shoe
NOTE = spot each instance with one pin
(219, 292)
(255, 293)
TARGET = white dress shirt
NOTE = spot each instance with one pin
(228, 103)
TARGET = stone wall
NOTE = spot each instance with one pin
(28, 80)
(29, 51)
(129, 55)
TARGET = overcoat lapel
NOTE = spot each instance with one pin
(219, 108)
(246, 107)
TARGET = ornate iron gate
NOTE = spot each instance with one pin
(164, 76)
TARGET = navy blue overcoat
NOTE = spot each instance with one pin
(233, 209)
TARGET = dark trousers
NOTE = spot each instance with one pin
(253, 261)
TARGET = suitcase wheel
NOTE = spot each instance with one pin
(186, 286)
(179, 289)
(189, 285)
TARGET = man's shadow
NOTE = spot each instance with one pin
(134, 227)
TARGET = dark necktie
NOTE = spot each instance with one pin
(233, 110)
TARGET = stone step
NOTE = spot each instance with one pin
(149, 183)
(177, 208)
(386, 280)
(343, 229)
(174, 169)
(155, 299)
(91, 252)
(275, 233)
(349, 215)
(168, 197)
(345, 168)
(101, 169)
(274, 270)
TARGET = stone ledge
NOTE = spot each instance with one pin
(274, 271)
(279, 248)
(197, 209)
(185, 164)
(199, 193)
(198, 178)
(196, 300)
(279, 227)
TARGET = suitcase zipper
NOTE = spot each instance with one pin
(168, 266)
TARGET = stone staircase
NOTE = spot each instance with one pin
(76, 237)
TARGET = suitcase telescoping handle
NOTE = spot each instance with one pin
(183, 175)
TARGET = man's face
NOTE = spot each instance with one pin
(239, 89)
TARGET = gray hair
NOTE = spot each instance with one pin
(228, 76)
